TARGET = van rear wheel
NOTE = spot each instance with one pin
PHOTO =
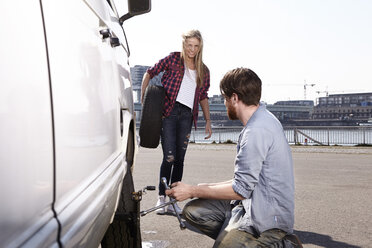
(125, 231)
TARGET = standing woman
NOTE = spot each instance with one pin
(186, 83)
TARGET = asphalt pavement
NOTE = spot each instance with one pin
(333, 194)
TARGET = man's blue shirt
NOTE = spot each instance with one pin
(264, 174)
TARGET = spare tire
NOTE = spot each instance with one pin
(151, 117)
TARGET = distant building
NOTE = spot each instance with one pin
(136, 74)
(346, 100)
(356, 106)
(216, 99)
(292, 110)
(295, 103)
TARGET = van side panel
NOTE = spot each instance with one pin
(26, 138)
(85, 97)
(90, 162)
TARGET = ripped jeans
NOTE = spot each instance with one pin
(175, 136)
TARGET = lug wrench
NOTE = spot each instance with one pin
(143, 213)
(173, 201)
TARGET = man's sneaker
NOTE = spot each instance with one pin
(161, 200)
(171, 209)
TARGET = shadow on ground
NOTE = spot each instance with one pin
(321, 240)
(307, 238)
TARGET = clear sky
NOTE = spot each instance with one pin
(288, 43)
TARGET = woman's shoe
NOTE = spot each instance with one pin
(161, 200)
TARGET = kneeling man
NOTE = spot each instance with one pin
(256, 207)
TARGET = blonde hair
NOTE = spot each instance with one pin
(199, 56)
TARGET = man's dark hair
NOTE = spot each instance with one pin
(243, 82)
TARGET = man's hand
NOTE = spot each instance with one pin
(180, 191)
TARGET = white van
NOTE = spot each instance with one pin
(67, 124)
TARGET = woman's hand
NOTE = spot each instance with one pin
(208, 129)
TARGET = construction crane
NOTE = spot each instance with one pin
(324, 91)
(305, 86)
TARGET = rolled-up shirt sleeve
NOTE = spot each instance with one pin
(160, 66)
(252, 151)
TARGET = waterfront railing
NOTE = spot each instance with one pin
(348, 135)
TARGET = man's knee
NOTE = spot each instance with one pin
(197, 214)
(189, 211)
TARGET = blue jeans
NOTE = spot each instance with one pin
(175, 137)
(214, 218)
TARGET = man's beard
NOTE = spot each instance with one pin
(231, 113)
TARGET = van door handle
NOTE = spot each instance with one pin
(105, 33)
(114, 41)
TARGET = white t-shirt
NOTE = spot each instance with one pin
(187, 89)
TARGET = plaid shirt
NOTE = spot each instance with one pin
(174, 70)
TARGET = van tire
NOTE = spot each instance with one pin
(125, 231)
(151, 118)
